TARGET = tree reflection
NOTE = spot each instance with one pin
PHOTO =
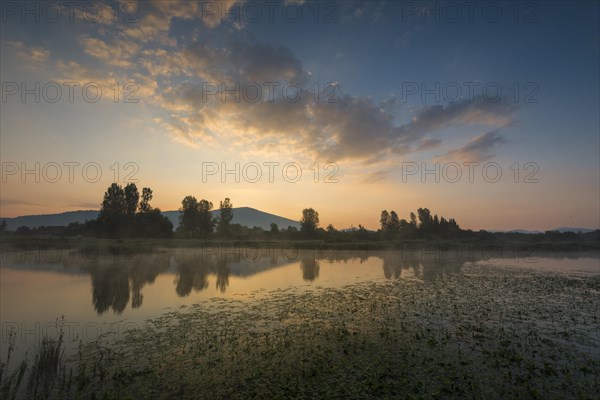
(222, 276)
(310, 266)
(119, 279)
(427, 265)
(113, 283)
(192, 273)
(110, 288)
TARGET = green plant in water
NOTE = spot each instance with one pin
(48, 366)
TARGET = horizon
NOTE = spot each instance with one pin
(340, 228)
(351, 108)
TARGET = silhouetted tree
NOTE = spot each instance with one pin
(394, 223)
(274, 228)
(424, 216)
(146, 198)
(309, 222)
(361, 233)
(225, 217)
(189, 216)
(24, 231)
(112, 210)
(132, 197)
(390, 224)
(384, 220)
(206, 223)
(153, 224)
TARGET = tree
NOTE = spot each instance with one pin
(112, 210)
(24, 231)
(145, 203)
(384, 220)
(225, 216)
(309, 222)
(3, 226)
(394, 223)
(274, 228)
(390, 223)
(206, 224)
(195, 218)
(132, 197)
(425, 220)
(361, 233)
(153, 224)
(189, 216)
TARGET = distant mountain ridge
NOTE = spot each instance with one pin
(577, 230)
(245, 216)
(562, 229)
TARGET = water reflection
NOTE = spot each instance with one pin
(309, 265)
(117, 282)
(110, 288)
(222, 276)
(424, 266)
(192, 273)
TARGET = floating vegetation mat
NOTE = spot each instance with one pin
(487, 332)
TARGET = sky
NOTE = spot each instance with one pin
(483, 112)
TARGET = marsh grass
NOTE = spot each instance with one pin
(10, 381)
(48, 372)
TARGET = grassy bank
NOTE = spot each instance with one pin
(138, 245)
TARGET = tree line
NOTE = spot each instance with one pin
(125, 212)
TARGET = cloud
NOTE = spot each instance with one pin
(214, 13)
(17, 202)
(471, 112)
(245, 62)
(84, 206)
(266, 63)
(376, 177)
(348, 128)
(33, 57)
(477, 149)
(73, 71)
(154, 19)
(117, 53)
(428, 144)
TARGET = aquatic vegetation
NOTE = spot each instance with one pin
(48, 370)
(486, 332)
(481, 333)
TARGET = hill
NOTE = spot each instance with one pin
(245, 216)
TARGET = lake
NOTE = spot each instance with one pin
(106, 293)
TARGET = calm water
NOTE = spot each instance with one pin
(100, 293)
